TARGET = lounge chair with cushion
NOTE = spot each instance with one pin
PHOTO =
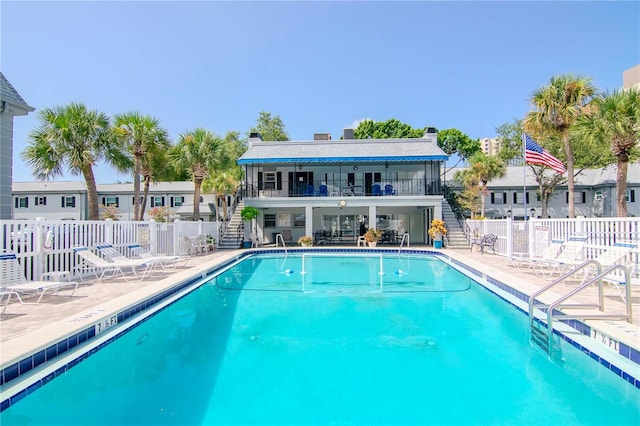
(14, 282)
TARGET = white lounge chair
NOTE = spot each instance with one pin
(142, 253)
(92, 262)
(570, 256)
(612, 255)
(550, 253)
(14, 282)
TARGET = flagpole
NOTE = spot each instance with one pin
(524, 175)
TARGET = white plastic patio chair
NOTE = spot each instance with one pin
(550, 253)
(570, 256)
(14, 282)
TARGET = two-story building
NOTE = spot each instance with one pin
(335, 189)
(60, 200)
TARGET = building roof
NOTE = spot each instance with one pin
(588, 177)
(121, 188)
(334, 151)
(11, 96)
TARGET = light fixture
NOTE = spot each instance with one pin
(509, 213)
(342, 203)
(386, 165)
(300, 167)
(355, 167)
(533, 212)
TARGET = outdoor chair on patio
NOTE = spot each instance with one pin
(570, 256)
(388, 190)
(96, 264)
(14, 282)
(142, 253)
(550, 253)
(612, 255)
(486, 242)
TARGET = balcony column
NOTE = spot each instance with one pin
(308, 220)
(372, 216)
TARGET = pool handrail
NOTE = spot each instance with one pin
(404, 237)
(281, 238)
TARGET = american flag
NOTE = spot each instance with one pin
(535, 154)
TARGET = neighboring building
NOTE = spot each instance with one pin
(490, 146)
(68, 200)
(631, 78)
(335, 187)
(11, 105)
(594, 194)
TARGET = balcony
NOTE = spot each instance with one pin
(343, 188)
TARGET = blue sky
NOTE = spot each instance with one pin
(320, 66)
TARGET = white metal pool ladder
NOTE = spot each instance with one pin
(544, 338)
(281, 238)
(405, 237)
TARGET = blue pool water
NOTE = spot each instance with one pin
(263, 343)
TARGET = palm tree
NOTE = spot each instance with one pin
(559, 105)
(141, 134)
(74, 138)
(154, 168)
(616, 123)
(199, 152)
(485, 168)
(221, 184)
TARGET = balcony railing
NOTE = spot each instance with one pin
(344, 188)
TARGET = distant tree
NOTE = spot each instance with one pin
(615, 124)
(140, 134)
(390, 129)
(199, 152)
(485, 168)
(547, 182)
(223, 183)
(154, 168)
(511, 140)
(470, 197)
(453, 141)
(559, 105)
(271, 128)
(74, 138)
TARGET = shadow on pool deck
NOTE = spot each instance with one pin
(26, 327)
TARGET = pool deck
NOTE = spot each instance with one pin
(27, 328)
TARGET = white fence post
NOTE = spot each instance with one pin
(38, 241)
(509, 237)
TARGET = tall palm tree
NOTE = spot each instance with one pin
(74, 138)
(485, 168)
(154, 168)
(199, 152)
(559, 105)
(615, 123)
(140, 134)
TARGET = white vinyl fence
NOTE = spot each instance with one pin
(46, 245)
(529, 238)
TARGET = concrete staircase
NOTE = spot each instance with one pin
(455, 234)
(229, 241)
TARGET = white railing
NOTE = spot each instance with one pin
(28, 239)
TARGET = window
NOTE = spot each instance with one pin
(298, 221)
(177, 201)
(157, 201)
(578, 197)
(284, 220)
(41, 201)
(22, 202)
(598, 195)
(498, 198)
(69, 201)
(133, 200)
(270, 180)
(630, 196)
(110, 201)
(517, 197)
(269, 220)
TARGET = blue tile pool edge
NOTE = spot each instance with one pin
(62, 347)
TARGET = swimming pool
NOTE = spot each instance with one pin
(276, 340)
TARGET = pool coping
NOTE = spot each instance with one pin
(82, 328)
